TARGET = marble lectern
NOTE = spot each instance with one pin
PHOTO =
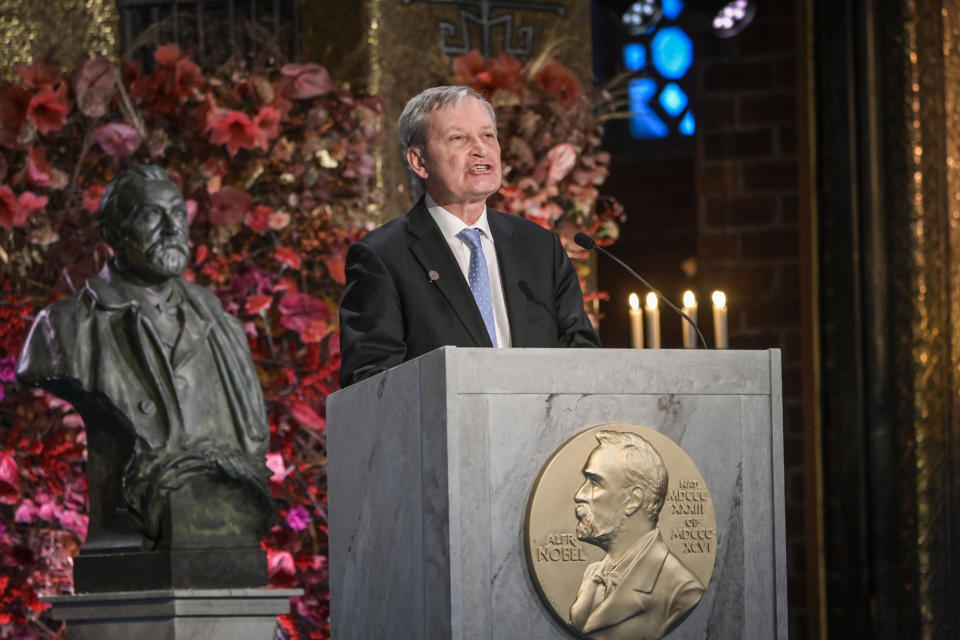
(431, 466)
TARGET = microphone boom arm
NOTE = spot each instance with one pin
(652, 288)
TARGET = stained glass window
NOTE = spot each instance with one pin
(659, 103)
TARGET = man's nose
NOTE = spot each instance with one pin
(172, 223)
(580, 495)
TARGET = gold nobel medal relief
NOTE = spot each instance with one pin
(621, 535)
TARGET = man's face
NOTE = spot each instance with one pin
(602, 498)
(151, 241)
(460, 163)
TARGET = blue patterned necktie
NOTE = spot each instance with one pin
(480, 280)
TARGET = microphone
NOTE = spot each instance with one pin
(590, 244)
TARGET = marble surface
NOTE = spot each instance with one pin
(432, 463)
(173, 614)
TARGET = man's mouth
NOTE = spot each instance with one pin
(480, 168)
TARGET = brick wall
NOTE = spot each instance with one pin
(748, 241)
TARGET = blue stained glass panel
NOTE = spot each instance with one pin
(687, 125)
(672, 52)
(635, 56)
(672, 9)
(673, 99)
(644, 122)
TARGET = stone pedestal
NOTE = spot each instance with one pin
(173, 614)
(431, 465)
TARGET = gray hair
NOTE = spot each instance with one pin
(643, 466)
(412, 124)
(110, 202)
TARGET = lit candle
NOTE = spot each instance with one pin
(653, 321)
(689, 308)
(636, 322)
(719, 320)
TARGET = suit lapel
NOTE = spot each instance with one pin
(433, 253)
(509, 260)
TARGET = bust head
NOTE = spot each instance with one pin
(143, 218)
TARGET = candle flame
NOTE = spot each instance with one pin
(634, 301)
(689, 300)
(651, 301)
(719, 299)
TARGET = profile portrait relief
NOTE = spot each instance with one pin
(640, 590)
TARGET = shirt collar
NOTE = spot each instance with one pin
(450, 225)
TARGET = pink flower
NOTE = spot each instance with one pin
(306, 315)
(233, 129)
(267, 123)
(278, 220)
(9, 479)
(76, 522)
(117, 139)
(558, 163)
(280, 562)
(298, 518)
(14, 211)
(48, 109)
(94, 86)
(305, 81)
(39, 171)
(276, 465)
(230, 205)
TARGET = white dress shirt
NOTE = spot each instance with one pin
(450, 225)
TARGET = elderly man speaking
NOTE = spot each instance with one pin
(451, 271)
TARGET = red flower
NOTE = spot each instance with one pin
(259, 218)
(467, 66)
(14, 103)
(94, 86)
(305, 81)
(117, 139)
(15, 211)
(187, 76)
(288, 256)
(9, 479)
(257, 303)
(336, 266)
(168, 54)
(306, 415)
(306, 315)
(487, 76)
(233, 129)
(559, 82)
(91, 197)
(267, 122)
(48, 109)
(39, 172)
(229, 205)
(39, 74)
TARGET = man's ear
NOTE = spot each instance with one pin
(635, 500)
(417, 162)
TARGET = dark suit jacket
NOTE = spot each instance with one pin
(393, 310)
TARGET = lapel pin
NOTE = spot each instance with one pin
(433, 275)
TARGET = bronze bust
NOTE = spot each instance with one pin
(164, 380)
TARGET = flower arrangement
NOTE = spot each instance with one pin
(277, 169)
